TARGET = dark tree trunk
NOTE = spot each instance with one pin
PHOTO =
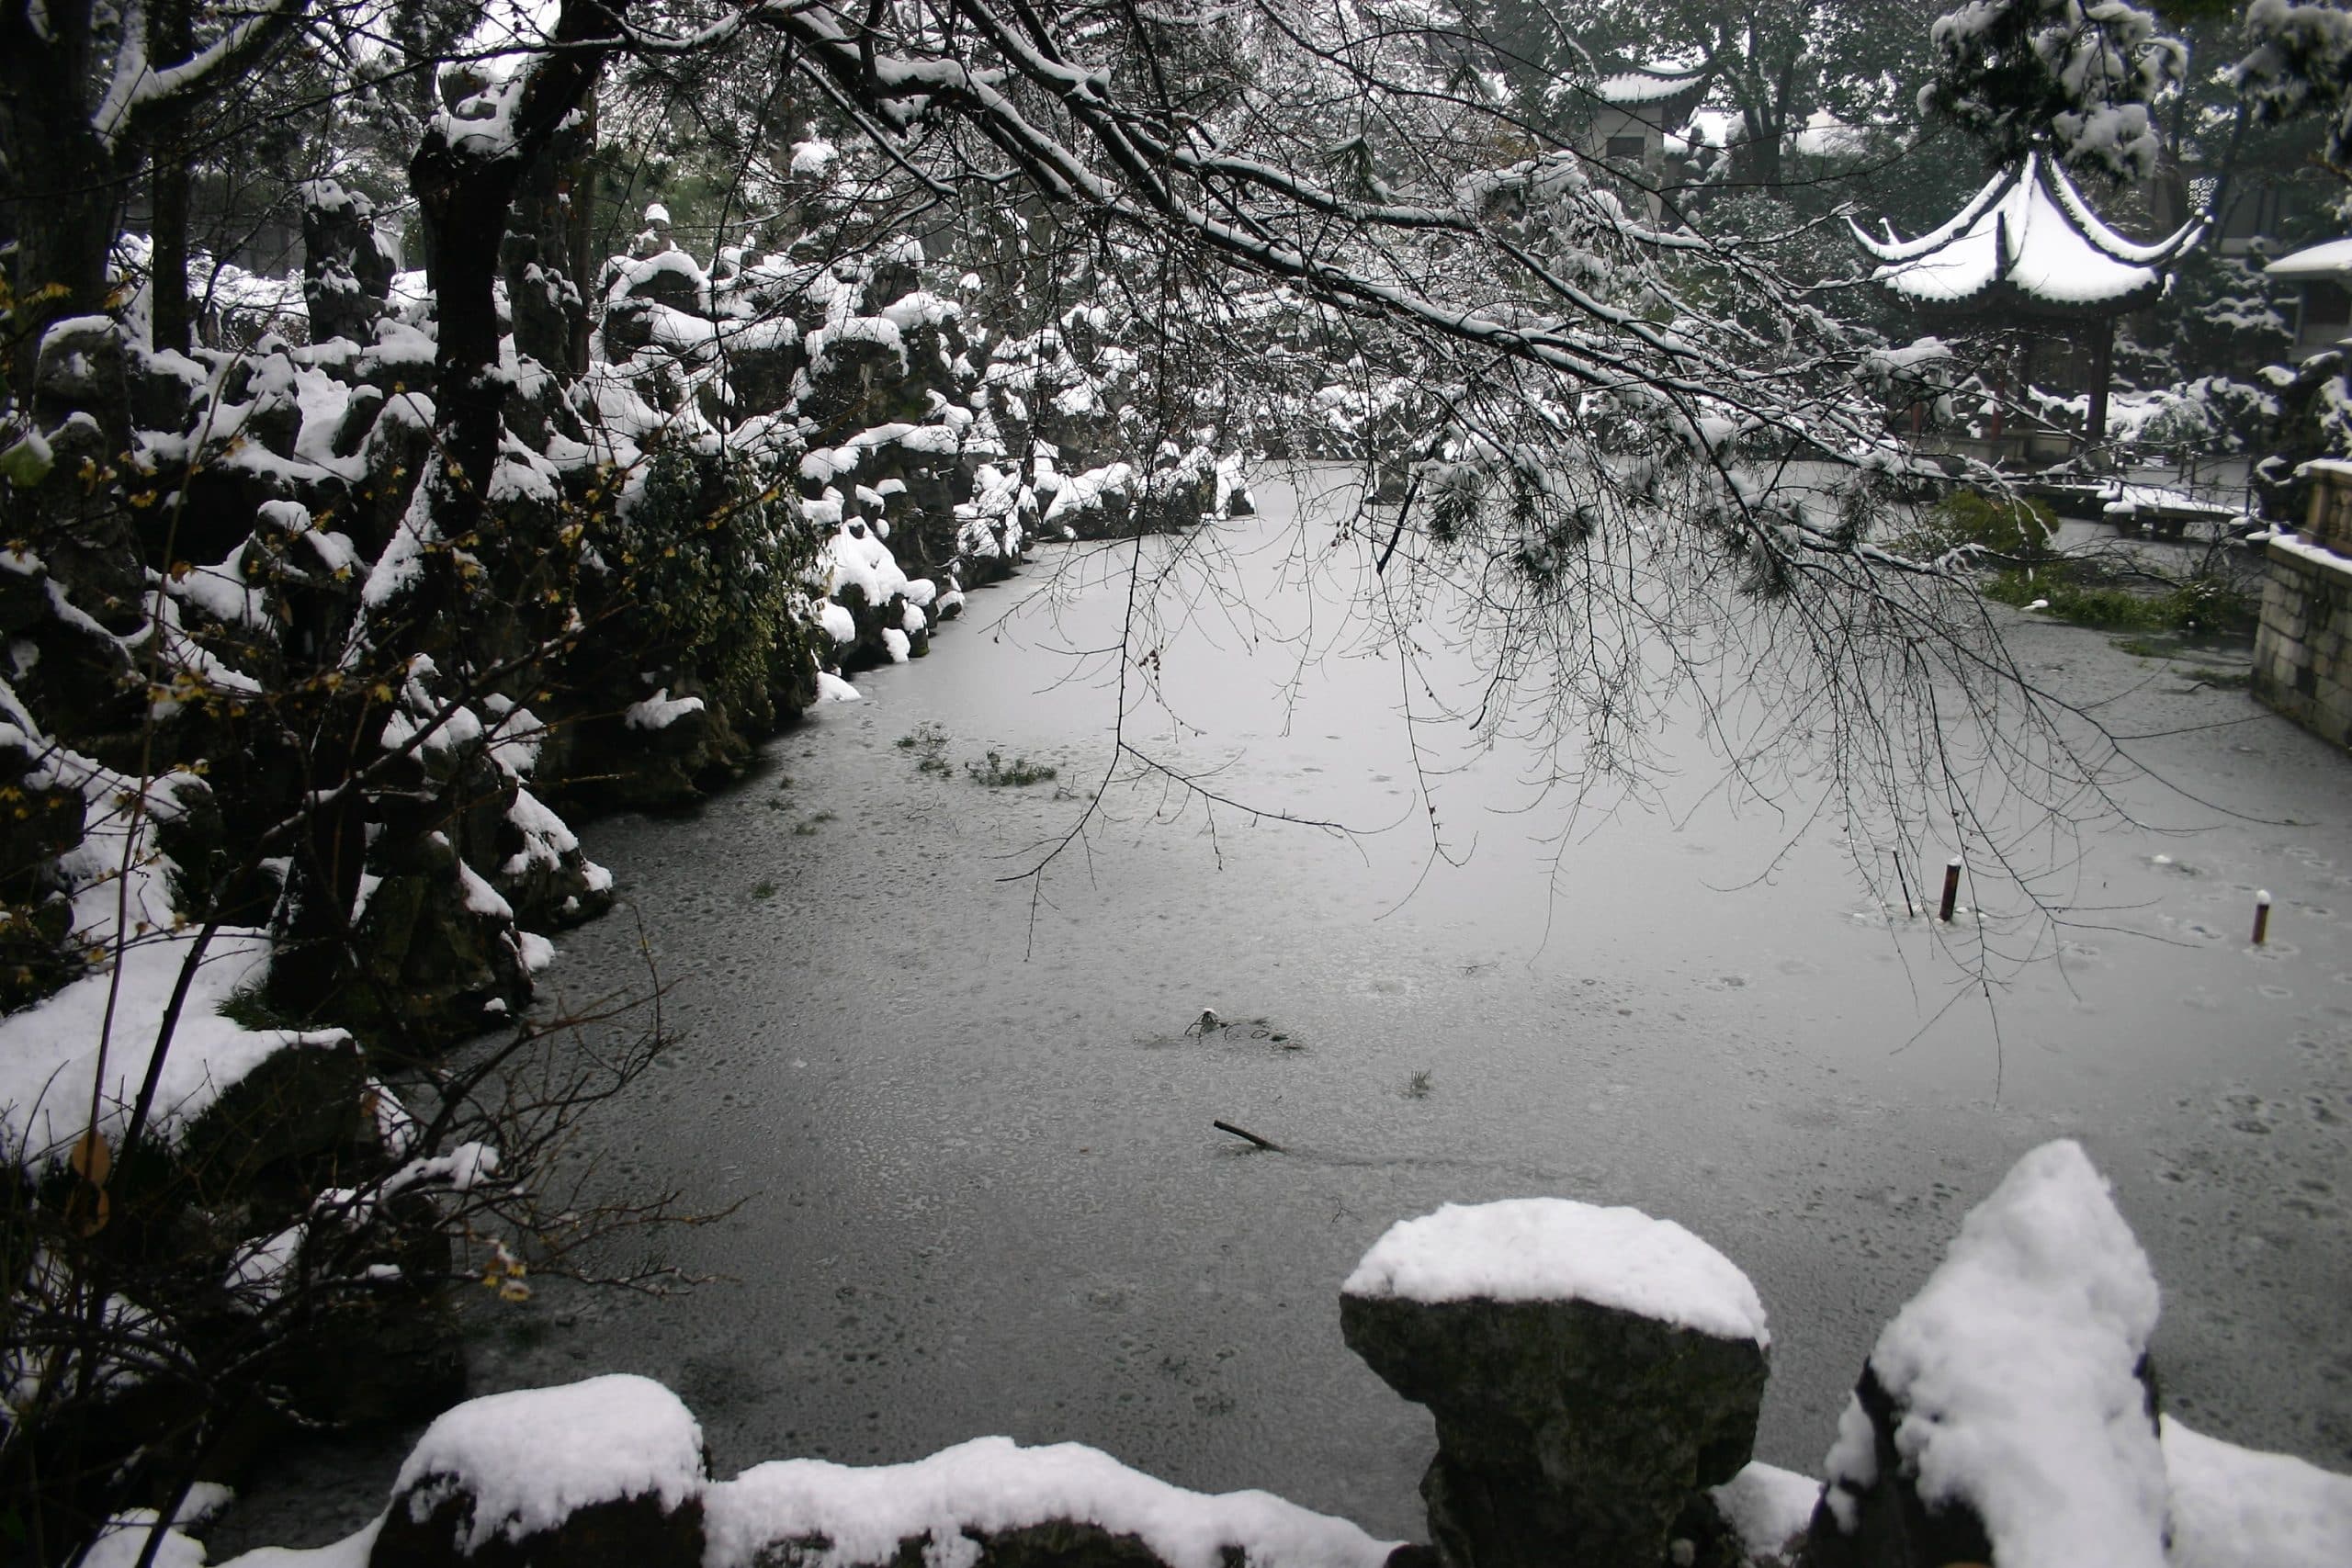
(66, 185)
(64, 181)
(2102, 372)
(169, 37)
(549, 274)
(465, 177)
(1756, 160)
(169, 324)
(465, 192)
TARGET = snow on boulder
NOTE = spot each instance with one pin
(52, 1053)
(2235, 1507)
(2007, 1413)
(1768, 1510)
(993, 1500)
(122, 1540)
(610, 1473)
(1554, 1249)
(660, 711)
(351, 1551)
(1591, 1371)
(607, 1472)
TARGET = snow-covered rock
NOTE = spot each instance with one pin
(2007, 1413)
(1590, 1370)
(2233, 1507)
(610, 1473)
(1554, 1249)
(606, 1471)
(975, 1502)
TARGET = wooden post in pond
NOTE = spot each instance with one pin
(2261, 918)
(1951, 889)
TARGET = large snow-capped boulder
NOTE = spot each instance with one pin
(2009, 1413)
(604, 1473)
(1591, 1371)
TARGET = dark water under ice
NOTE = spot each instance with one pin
(971, 1128)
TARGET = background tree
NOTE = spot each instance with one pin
(84, 94)
(2082, 79)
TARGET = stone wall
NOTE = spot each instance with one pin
(2303, 654)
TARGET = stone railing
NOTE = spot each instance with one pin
(1596, 1376)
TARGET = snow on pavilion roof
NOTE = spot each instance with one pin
(2329, 259)
(1647, 84)
(2029, 238)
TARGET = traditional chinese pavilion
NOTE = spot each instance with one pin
(2029, 255)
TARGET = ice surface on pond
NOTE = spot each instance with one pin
(1554, 1249)
(1001, 1144)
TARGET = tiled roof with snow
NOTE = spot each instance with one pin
(2329, 258)
(2030, 234)
(1646, 86)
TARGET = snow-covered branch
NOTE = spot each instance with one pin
(142, 94)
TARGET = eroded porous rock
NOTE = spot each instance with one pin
(1591, 1371)
(2009, 1413)
(346, 273)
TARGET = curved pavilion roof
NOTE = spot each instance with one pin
(2027, 241)
(1666, 96)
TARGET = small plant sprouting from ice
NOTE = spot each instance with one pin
(997, 772)
(928, 744)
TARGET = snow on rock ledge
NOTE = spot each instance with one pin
(610, 1473)
(1591, 1371)
(958, 1506)
(1554, 1249)
(2235, 1507)
(2007, 1413)
(50, 1052)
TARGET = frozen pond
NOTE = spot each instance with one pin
(971, 1131)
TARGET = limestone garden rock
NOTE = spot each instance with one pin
(1590, 1370)
(2009, 1413)
(345, 274)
